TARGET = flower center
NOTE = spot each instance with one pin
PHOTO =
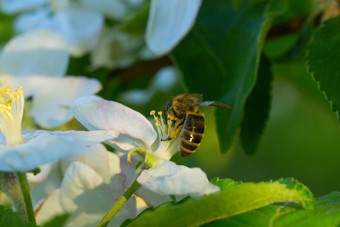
(11, 112)
(168, 136)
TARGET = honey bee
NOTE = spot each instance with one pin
(183, 110)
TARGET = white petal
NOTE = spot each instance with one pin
(44, 147)
(95, 113)
(40, 177)
(105, 163)
(49, 208)
(78, 178)
(39, 18)
(31, 84)
(88, 198)
(36, 53)
(3, 140)
(169, 22)
(80, 28)
(51, 103)
(115, 9)
(13, 6)
(152, 198)
(97, 136)
(129, 173)
(167, 178)
(43, 189)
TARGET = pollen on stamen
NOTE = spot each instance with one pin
(160, 113)
(9, 102)
(152, 112)
(172, 133)
(157, 123)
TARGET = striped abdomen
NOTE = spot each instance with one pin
(192, 133)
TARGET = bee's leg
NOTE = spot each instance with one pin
(174, 132)
(179, 124)
(167, 139)
(172, 135)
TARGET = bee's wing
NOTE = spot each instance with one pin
(191, 99)
(214, 103)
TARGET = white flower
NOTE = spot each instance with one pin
(13, 6)
(167, 178)
(79, 22)
(169, 22)
(25, 152)
(79, 26)
(135, 130)
(96, 113)
(38, 60)
(37, 53)
(116, 49)
(105, 163)
(85, 194)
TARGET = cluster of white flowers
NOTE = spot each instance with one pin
(88, 178)
(83, 25)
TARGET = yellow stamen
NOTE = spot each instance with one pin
(160, 113)
(129, 156)
(158, 123)
(152, 112)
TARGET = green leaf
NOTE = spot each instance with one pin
(326, 212)
(231, 201)
(237, 4)
(220, 56)
(260, 217)
(256, 109)
(323, 60)
(224, 183)
(57, 221)
(11, 218)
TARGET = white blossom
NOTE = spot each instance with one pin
(169, 22)
(165, 177)
(25, 152)
(86, 197)
(38, 61)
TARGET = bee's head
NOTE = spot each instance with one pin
(168, 106)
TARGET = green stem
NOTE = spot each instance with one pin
(26, 194)
(119, 204)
